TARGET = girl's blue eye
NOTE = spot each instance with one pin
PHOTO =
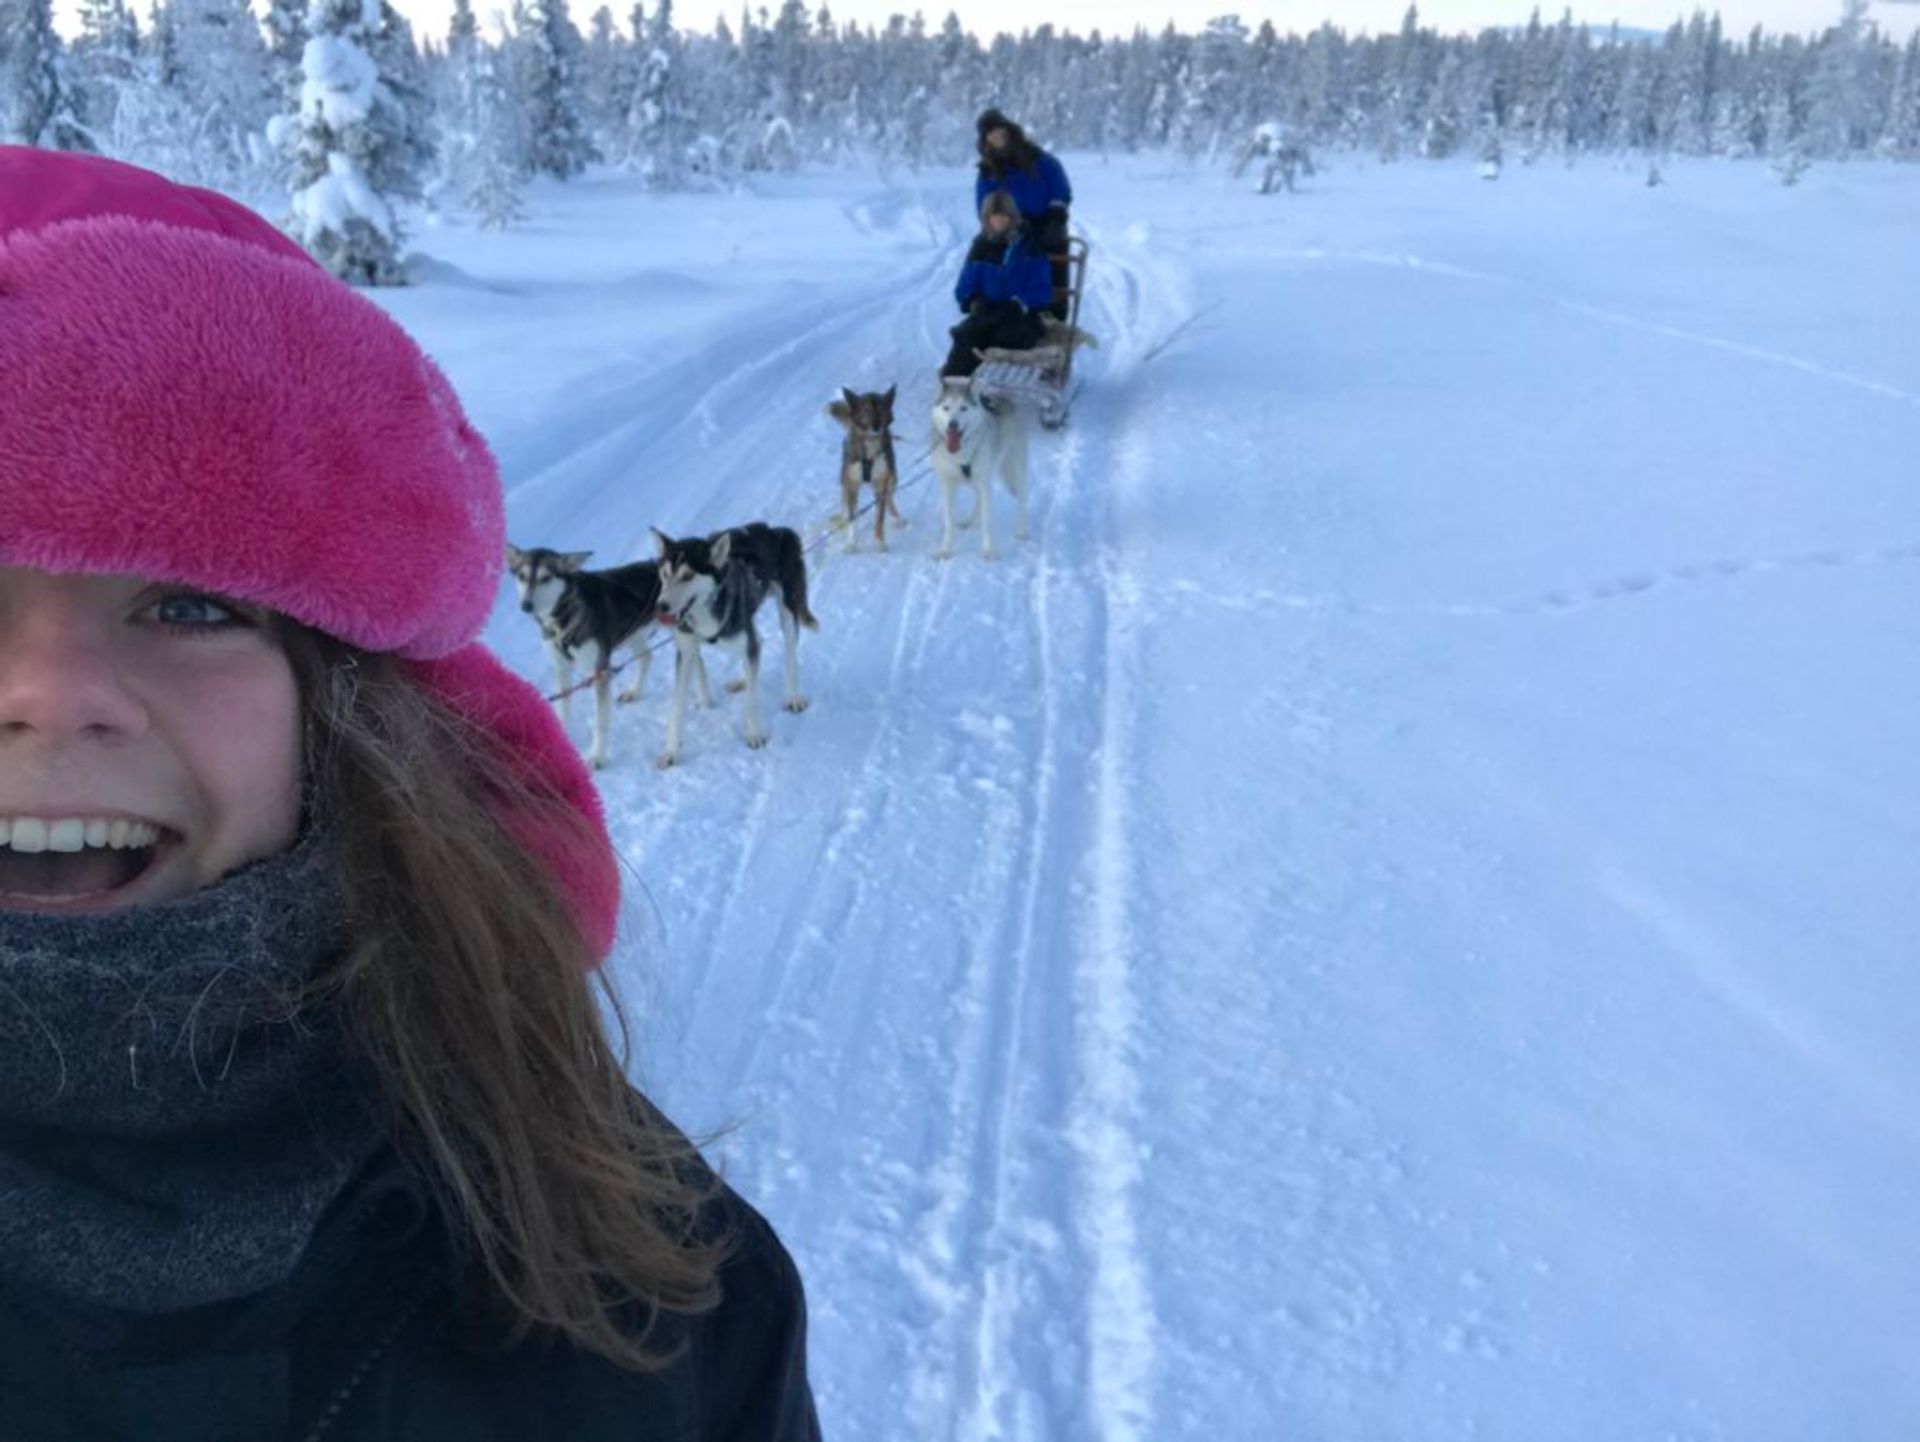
(188, 611)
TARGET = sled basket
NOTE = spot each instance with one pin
(1039, 376)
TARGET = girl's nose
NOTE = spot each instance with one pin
(59, 679)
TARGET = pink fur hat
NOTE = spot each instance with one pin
(186, 395)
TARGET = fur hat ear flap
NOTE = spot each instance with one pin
(721, 548)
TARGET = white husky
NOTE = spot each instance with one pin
(971, 444)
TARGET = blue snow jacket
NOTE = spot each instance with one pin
(1005, 270)
(1033, 190)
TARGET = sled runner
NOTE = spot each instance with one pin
(1043, 376)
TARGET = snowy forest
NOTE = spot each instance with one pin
(341, 107)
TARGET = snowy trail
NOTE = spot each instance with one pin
(1386, 918)
(997, 1259)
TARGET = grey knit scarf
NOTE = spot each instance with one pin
(169, 1135)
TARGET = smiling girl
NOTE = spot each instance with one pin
(310, 1125)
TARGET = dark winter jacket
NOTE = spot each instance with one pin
(1005, 270)
(372, 1340)
(1035, 188)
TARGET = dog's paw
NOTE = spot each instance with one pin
(627, 698)
(756, 739)
(987, 553)
(796, 704)
(597, 763)
(736, 686)
(944, 553)
(666, 760)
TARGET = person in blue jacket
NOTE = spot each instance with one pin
(1004, 286)
(1038, 184)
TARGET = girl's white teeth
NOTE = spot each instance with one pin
(75, 833)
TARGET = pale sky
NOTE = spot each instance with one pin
(1899, 18)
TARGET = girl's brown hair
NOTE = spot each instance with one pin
(473, 997)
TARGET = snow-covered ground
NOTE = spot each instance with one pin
(1394, 915)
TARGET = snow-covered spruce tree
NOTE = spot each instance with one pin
(551, 55)
(348, 131)
(1166, 95)
(222, 67)
(154, 120)
(660, 118)
(1900, 140)
(836, 107)
(400, 169)
(1840, 95)
(1445, 124)
(791, 46)
(37, 105)
(712, 83)
(105, 65)
(610, 73)
(757, 103)
(494, 175)
(285, 24)
(1213, 98)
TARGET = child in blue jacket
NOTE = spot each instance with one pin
(1004, 286)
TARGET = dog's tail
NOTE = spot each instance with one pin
(793, 574)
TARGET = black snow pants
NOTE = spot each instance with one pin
(1004, 323)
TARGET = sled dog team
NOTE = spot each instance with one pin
(708, 590)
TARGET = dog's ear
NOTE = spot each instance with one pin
(662, 542)
(847, 395)
(514, 555)
(721, 548)
(886, 396)
(570, 560)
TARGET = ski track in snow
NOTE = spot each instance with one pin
(1018, 1221)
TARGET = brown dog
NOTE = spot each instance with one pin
(866, 459)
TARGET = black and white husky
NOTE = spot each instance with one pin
(971, 445)
(709, 591)
(587, 616)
